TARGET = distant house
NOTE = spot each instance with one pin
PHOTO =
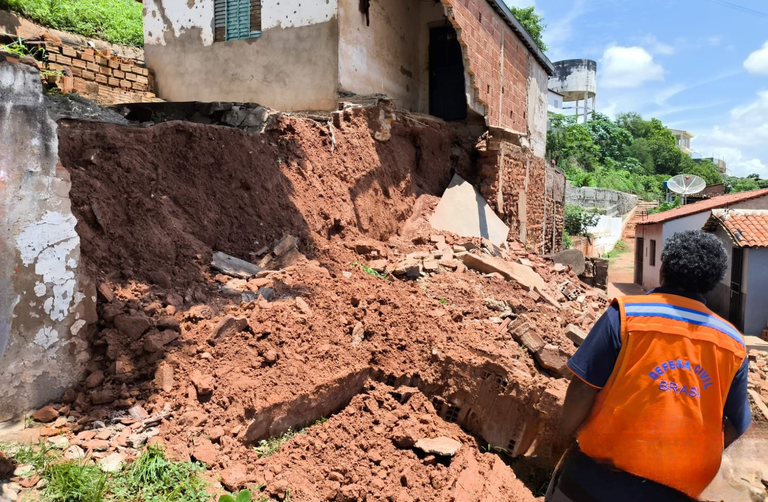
(454, 59)
(683, 140)
(742, 296)
(653, 231)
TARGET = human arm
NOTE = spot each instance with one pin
(736, 410)
(592, 365)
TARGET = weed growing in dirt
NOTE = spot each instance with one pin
(154, 478)
(620, 248)
(72, 481)
(269, 446)
(368, 270)
(443, 301)
(38, 457)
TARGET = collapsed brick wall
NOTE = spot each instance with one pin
(496, 61)
(526, 194)
(99, 75)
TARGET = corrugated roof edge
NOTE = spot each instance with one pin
(521, 32)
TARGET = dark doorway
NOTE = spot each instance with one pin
(639, 242)
(447, 99)
(737, 297)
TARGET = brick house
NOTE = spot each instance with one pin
(652, 231)
(468, 61)
(742, 295)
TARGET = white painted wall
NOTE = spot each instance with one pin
(178, 17)
(537, 97)
(650, 273)
(605, 234)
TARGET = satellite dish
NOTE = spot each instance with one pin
(686, 184)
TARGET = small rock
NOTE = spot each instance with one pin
(302, 305)
(132, 326)
(266, 293)
(442, 446)
(234, 478)
(138, 412)
(205, 453)
(86, 435)
(96, 445)
(168, 322)
(104, 434)
(234, 266)
(104, 396)
(74, 453)
(69, 396)
(11, 491)
(228, 326)
(347, 274)
(156, 340)
(358, 334)
(215, 433)
(164, 376)
(286, 244)
(575, 334)
(94, 379)
(60, 422)
(199, 312)
(59, 442)
(336, 476)
(23, 470)
(112, 462)
(46, 415)
(270, 357)
(204, 384)
(106, 293)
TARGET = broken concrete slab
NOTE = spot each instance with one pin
(235, 267)
(572, 257)
(525, 276)
(463, 211)
(575, 334)
(287, 243)
(443, 446)
(759, 402)
(551, 358)
(753, 342)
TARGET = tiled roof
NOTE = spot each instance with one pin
(745, 227)
(701, 206)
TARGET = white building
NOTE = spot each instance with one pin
(653, 231)
(683, 140)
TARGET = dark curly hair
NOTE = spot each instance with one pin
(693, 261)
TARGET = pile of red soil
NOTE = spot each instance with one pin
(153, 204)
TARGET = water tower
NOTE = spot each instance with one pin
(576, 80)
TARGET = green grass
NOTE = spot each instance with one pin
(116, 21)
(270, 446)
(151, 478)
(72, 481)
(620, 248)
(154, 478)
(368, 270)
(443, 301)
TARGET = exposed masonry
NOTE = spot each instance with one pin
(44, 303)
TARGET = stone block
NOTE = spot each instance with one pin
(525, 276)
(575, 334)
(572, 257)
(234, 266)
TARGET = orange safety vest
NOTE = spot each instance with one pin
(660, 415)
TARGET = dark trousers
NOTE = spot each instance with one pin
(580, 479)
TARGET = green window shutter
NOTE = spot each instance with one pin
(238, 19)
(234, 19)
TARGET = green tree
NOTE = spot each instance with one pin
(609, 137)
(532, 22)
(704, 169)
(734, 185)
(634, 123)
(640, 149)
(571, 145)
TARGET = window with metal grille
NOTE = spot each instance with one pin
(652, 252)
(237, 19)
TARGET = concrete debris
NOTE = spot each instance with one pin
(463, 211)
(204, 384)
(572, 257)
(46, 415)
(112, 462)
(156, 340)
(551, 358)
(443, 446)
(74, 452)
(235, 267)
(59, 442)
(525, 276)
(575, 334)
(759, 403)
(285, 244)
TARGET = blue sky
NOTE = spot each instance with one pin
(698, 65)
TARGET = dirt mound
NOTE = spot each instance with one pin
(153, 203)
(228, 362)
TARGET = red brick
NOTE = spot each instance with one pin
(125, 84)
(69, 51)
(85, 56)
(89, 75)
(101, 78)
(125, 67)
(131, 76)
(93, 67)
(118, 74)
(77, 63)
(114, 64)
(101, 61)
(77, 72)
(105, 70)
(114, 82)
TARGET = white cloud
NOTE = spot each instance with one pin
(655, 46)
(757, 62)
(742, 140)
(628, 67)
(714, 40)
(560, 30)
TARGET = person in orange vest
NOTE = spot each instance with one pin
(660, 388)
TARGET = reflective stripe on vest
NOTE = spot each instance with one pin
(660, 414)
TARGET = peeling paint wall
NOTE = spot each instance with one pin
(538, 105)
(292, 66)
(45, 305)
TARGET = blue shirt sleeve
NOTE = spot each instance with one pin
(596, 357)
(736, 407)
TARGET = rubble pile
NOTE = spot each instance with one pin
(236, 307)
